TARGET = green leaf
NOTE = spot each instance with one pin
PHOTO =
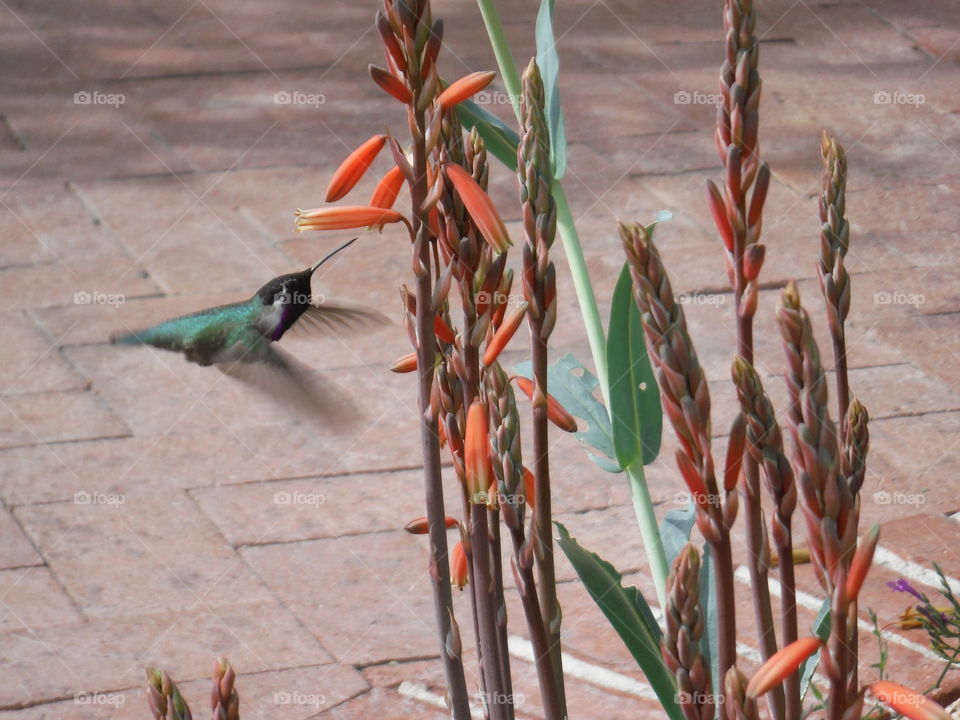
(821, 628)
(675, 530)
(629, 615)
(549, 63)
(501, 139)
(637, 418)
(573, 386)
(708, 602)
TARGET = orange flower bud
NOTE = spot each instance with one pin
(421, 526)
(530, 487)
(503, 335)
(480, 207)
(781, 664)
(719, 211)
(862, 559)
(458, 566)
(391, 84)
(476, 454)
(345, 217)
(443, 331)
(907, 702)
(353, 168)
(464, 88)
(555, 411)
(405, 364)
(385, 194)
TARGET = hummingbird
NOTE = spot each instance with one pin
(240, 339)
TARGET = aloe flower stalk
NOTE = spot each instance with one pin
(829, 508)
(224, 700)
(764, 442)
(535, 175)
(834, 242)
(165, 700)
(412, 40)
(680, 644)
(737, 213)
(514, 500)
(686, 402)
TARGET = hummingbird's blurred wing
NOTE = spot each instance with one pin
(285, 380)
(330, 317)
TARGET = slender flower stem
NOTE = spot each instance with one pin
(589, 311)
(496, 697)
(535, 178)
(429, 439)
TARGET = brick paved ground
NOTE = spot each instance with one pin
(182, 197)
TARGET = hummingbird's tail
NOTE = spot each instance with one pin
(126, 339)
(329, 255)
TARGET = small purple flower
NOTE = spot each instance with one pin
(902, 585)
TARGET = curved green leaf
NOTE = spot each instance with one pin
(821, 628)
(629, 615)
(573, 387)
(549, 63)
(675, 530)
(637, 418)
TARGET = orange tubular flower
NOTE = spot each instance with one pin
(443, 331)
(480, 207)
(391, 84)
(476, 452)
(781, 664)
(387, 190)
(555, 411)
(344, 217)
(353, 168)
(862, 559)
(907, 702)
(464, 88)
(503, 335)
(529, 487)
(458, 566)
(405, 364)
(421, 526)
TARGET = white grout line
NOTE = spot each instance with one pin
(593, 674)
(912, 570)
(416, 691)
(813, 603)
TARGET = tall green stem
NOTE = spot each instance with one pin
(573, 251)
(501, 50)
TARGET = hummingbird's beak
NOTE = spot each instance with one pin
(329, 255)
